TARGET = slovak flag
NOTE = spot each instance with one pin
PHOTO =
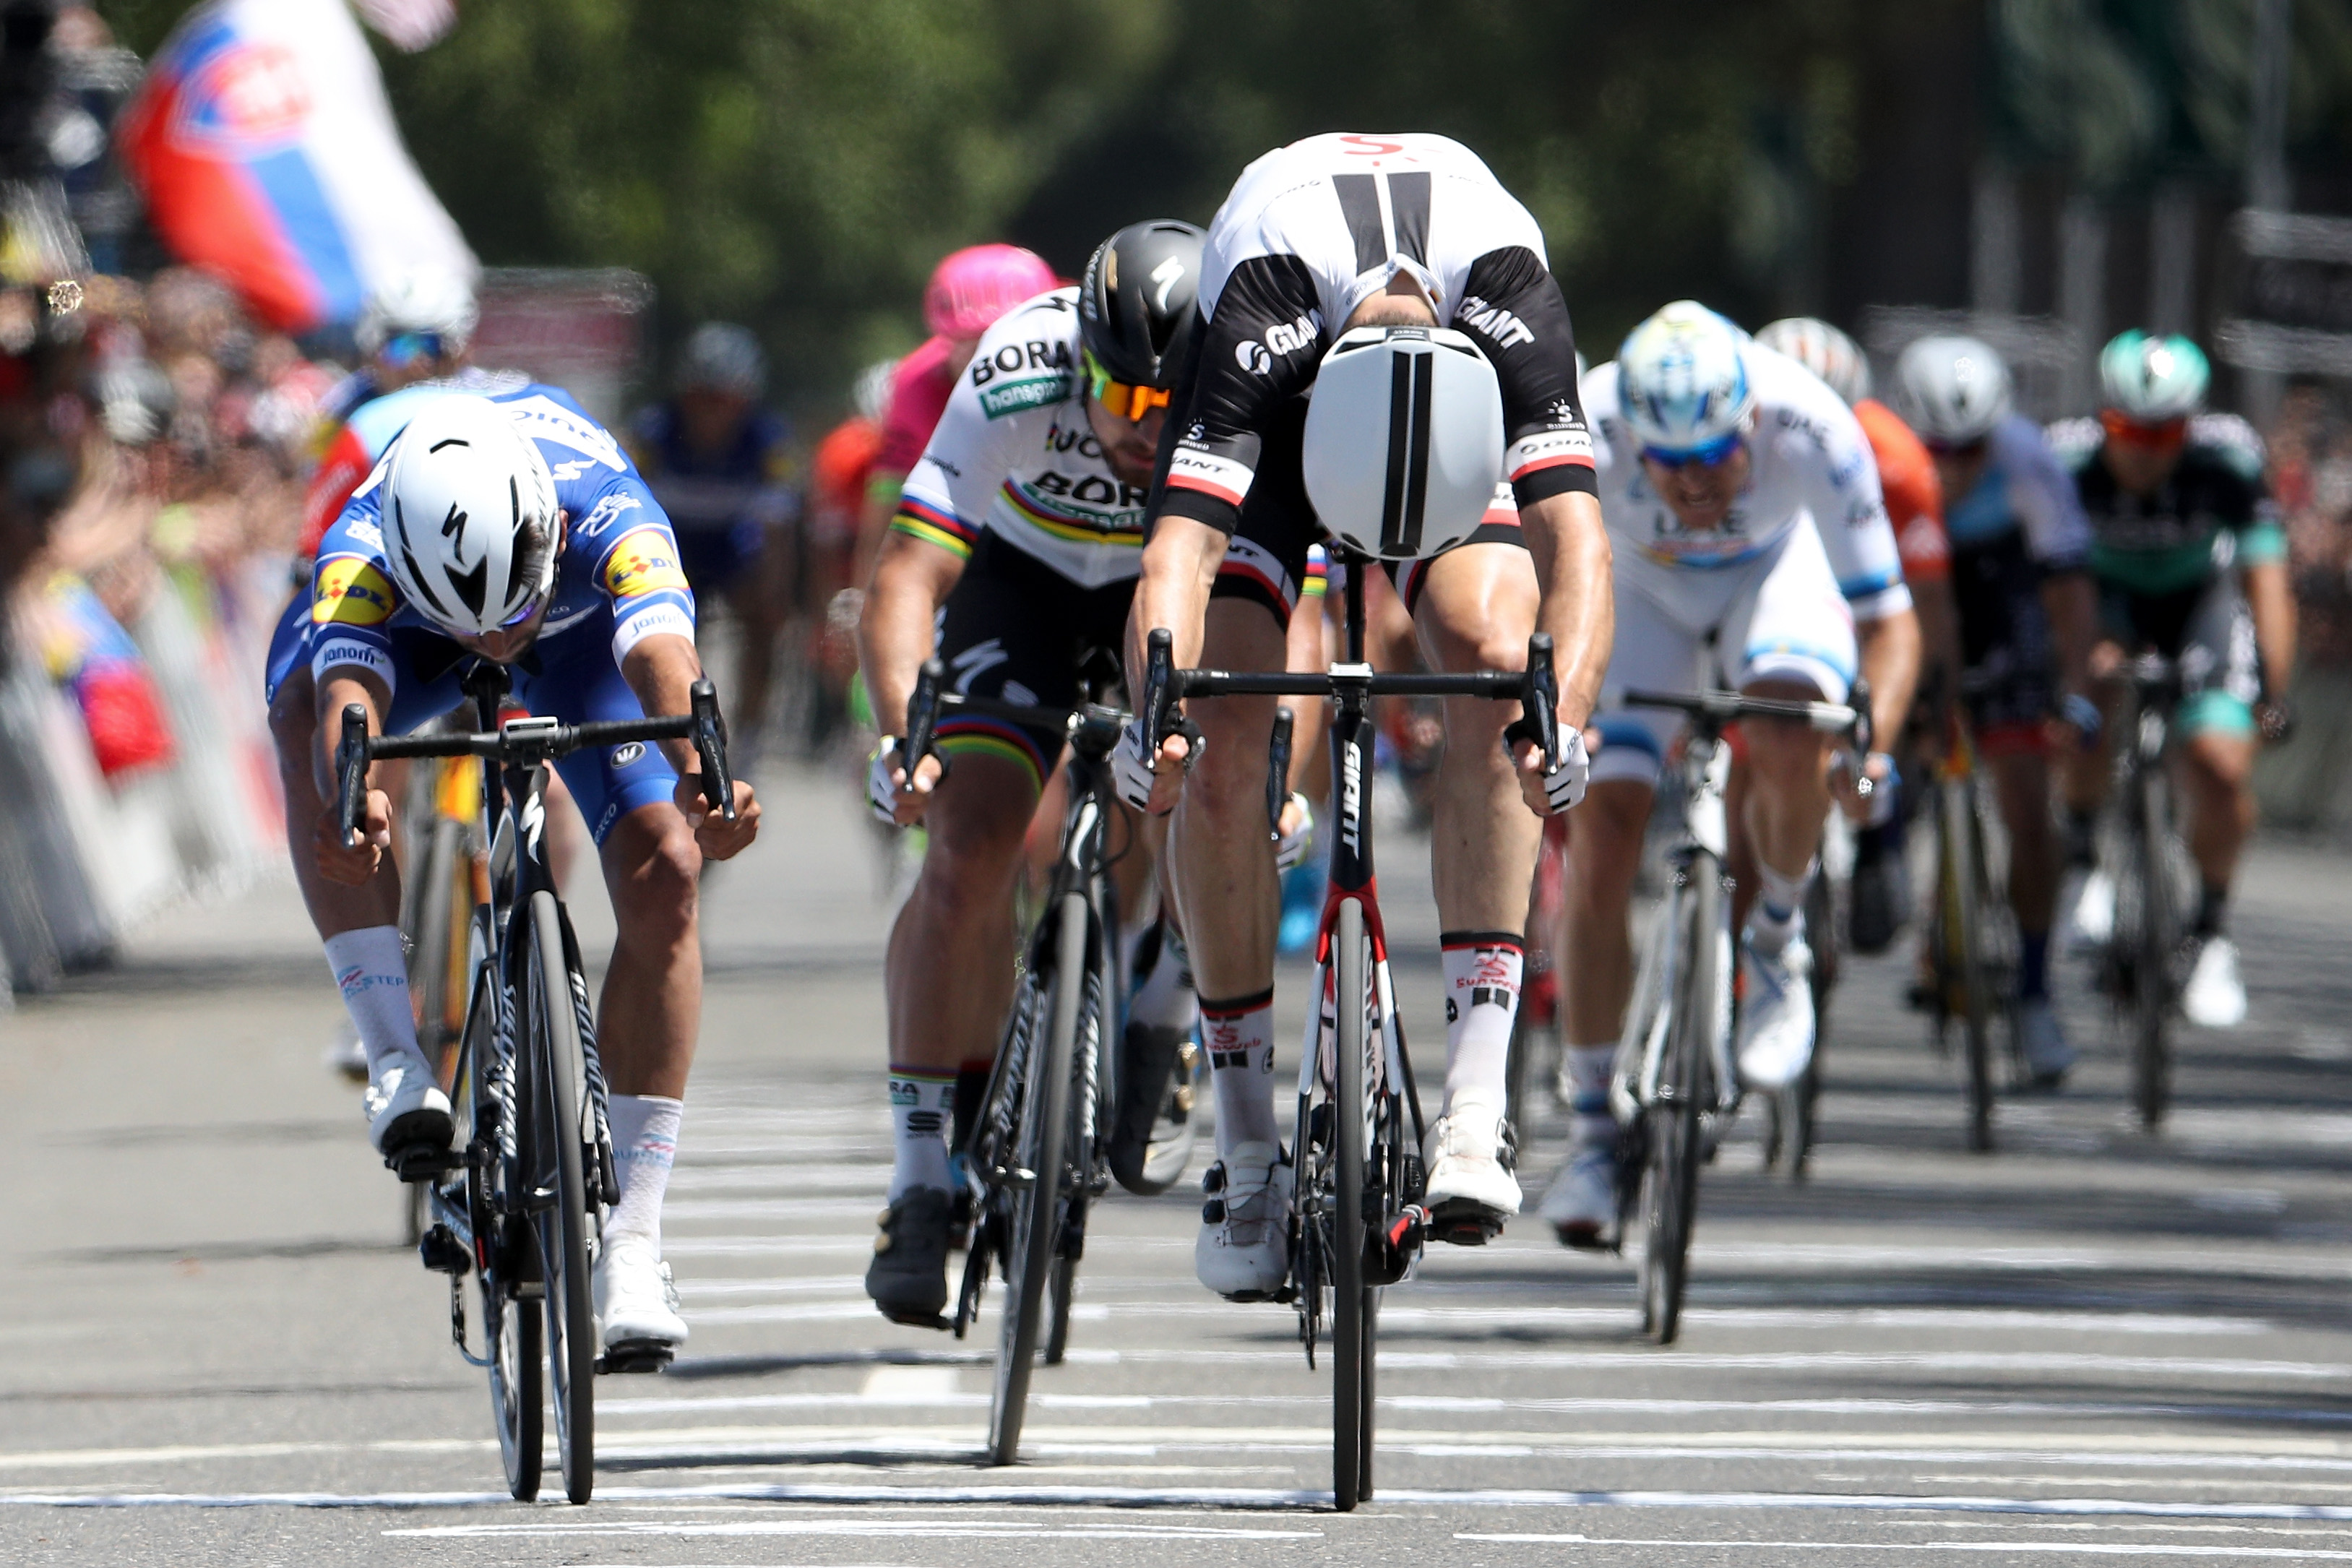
(266, 149)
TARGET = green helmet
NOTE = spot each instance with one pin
(2153, 378)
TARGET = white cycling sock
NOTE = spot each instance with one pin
(1239, 1037)
(922, 1107)
(1780, 900)
(1482, 970)
(645, 1146)
(373, 971)
(1588, 1068)
(1164, 997)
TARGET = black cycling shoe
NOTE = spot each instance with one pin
(1146, 1063)
(1881, 897)
(908, 1277)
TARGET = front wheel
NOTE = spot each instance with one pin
(1352, 1318)
(1683, 1090)
(2152, 960)
(511, 1334)
(564, 1226)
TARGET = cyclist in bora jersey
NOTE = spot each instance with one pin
(466, 544)
(2019, 545)
(1754, 549)
(2191, 563)
(1017, 536)
(1327, 235)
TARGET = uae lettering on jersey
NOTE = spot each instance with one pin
(643, 562)
(351, 593)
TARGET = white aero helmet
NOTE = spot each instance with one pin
(1681, 383)
(1823, 349)
(2153, 378)
(1404, 440)
(1954, 389)
(469, 517)
(427, 299)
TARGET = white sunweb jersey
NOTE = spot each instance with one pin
(1012, 453)
(1810, 460)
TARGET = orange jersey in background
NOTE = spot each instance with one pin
(1915, 500)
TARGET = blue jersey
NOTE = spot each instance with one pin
(748, 481)
(2025, 486)
(617, 579)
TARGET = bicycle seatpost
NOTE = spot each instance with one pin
(1277, 769)
(711, 741)
(351, 773)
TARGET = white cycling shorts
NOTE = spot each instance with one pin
(1782, 612)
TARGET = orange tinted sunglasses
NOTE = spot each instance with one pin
(1124, 398)
(2125, 430)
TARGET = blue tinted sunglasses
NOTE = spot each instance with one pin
(405, 349)
(1713, 455)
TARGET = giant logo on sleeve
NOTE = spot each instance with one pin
(351, 593)
(643, 562)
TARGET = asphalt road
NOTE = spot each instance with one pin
(215, 1348)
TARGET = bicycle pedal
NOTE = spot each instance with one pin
(440, 1250)
(422, 1162)
(635, 1356)
(1463, 1224)
(909, 1320)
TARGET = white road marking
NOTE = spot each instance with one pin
(909, 1385)
(971, 1530)
(1779, 1361)
(2019, 1548)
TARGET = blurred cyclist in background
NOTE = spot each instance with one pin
(721, 465)
(2191, 564)
(968, 291)
(2020, 546)
(1915, 510)
(839, 473)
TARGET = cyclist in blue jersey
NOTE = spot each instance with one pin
(514, 529)
(722, 465)
(2020, 548)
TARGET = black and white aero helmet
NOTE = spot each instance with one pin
(470, 525)
(1404, 440)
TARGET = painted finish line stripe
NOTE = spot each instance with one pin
(2014, 1548)
(1232, 1498)
(1767, 1361)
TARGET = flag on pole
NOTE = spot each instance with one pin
(266, 149)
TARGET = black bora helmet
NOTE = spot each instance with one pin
(1136, 304)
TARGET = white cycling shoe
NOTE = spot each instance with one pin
(404, 1105)
(636, 1304)
(1243, 1250)
(2094, 919)
(2215, 998)
(1580, 1205)
(1776, 1014)
(1470, 1190)
(2042, 1041)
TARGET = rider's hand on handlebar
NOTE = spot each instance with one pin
(1150, 785)
(719, 839)
(1296, 835)
(1550, 794)
(894, 802)
(352, 864)
(1875, 809)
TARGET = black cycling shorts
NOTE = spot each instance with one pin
(2006, 648)
(1015, 630)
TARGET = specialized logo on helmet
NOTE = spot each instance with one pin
(351, 593)
(643, 562)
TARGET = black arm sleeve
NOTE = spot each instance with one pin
(1258, 350)
(1511, 308)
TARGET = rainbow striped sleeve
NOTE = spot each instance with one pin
(1319, 574)
(935, 525)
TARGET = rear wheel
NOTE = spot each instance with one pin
(563, 1228)
(1034, 1232)
(1351, 1326)
(1683, 1090)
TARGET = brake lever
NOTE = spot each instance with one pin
(1161, 716)
(1277, 769)
(1539, 720)
(923, 719)
(350, 772)
(711, 741)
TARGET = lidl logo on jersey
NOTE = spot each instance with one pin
(643, 562)
(1017, 396)
(351, 593)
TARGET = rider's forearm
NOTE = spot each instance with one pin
(1570, 547)
(874, 515)
(2272, 598)
(1179, 567)
(1890, 661)
(912, 578)
(2073, 606)
(1305, 652)
(662, 671)
(337, 691)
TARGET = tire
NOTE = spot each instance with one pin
(564, 1231)
(1351, 1361)
(1166, 1160)
(1036, 1211)
(2152, 957)
(511, 1332)
(1060, 1286)
(1675, 1137)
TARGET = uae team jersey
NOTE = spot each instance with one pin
(1809, 461)
(618, 577)
(1313, 229)
(1012, 454)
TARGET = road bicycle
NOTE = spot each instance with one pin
(1675, 1085)
(1971, 936)
(1038, 1154)
(449, 876)
(520, 1201)
(2146, 957)
(1357, 1220)
(1788, 1111)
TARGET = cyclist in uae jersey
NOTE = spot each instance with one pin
(515, 529)
(1012, 556)
(1753, 550)
(2019, 544)
(2191, 564)
(1324, 236)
